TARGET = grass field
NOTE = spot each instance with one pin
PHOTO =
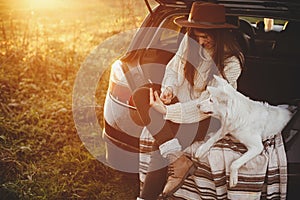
(42, 46)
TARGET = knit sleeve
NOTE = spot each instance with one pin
(187, 112)
(171, 75)
(174, 76)
(232, 70)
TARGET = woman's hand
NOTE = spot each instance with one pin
(167, 95)
(156, 102)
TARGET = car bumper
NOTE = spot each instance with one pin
(121, 135)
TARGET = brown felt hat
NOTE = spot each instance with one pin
(206, 16)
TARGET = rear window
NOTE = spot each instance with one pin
(168, 34)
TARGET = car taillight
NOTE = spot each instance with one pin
(118, 86)
(119, 91)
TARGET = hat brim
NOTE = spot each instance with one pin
(184, 22)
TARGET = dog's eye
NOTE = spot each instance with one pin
(210, 100)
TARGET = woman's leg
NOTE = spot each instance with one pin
(155, 179)
(163, 132)
(183, 166)
(204, 127)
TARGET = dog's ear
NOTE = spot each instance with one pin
(218, 94)
(215, 91)
(220, 81)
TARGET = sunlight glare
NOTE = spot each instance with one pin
(45, 4)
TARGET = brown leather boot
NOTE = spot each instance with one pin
(179, 169)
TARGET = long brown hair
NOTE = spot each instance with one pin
(225, 47)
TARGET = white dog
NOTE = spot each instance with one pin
(248, 121)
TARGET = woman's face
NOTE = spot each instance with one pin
(204, 39)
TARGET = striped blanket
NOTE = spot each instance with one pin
(263, 177)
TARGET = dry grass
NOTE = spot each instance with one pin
(41, 50)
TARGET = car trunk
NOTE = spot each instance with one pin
(284, 9)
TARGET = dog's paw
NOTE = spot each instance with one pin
(233, 180)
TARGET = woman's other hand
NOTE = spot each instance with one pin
(156, 102)
(167, 95)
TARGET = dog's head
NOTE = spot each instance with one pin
(220, 98)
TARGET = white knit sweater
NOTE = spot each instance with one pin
(186, 110)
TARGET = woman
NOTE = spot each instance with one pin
(208, 48)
